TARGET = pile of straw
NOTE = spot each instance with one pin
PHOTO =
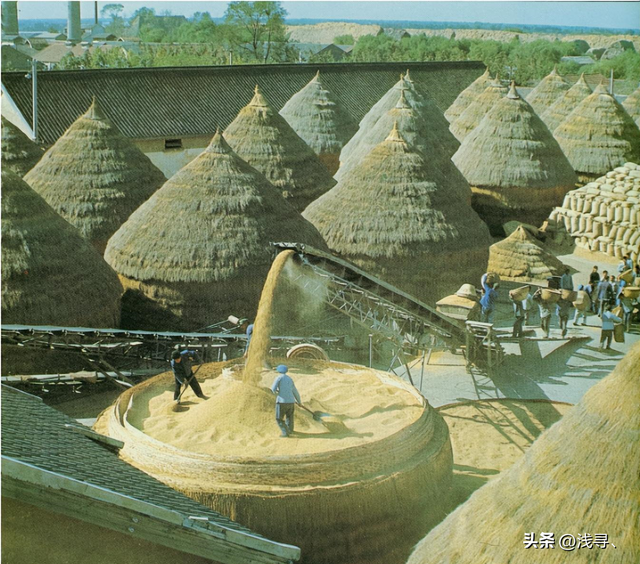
(555, 114)
(417, 133)
(471, 117)
(317, 117)
(521, 258)
(394, 213)
(467, 96)
(200, 246)
(547, 92)
(603, 215)
(580, 476)
(632, 105)
(19, 153)
(419, 100)
(263, 138)
(598, 136)
(50, 274)
(364, 496)
(94, 177)
(515, 167)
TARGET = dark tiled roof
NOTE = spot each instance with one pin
(35, 433)
(148, 103)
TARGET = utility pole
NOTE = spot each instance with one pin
(611, 83)
(34, 98)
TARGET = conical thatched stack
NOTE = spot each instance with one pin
(555, 114)
(418, 100)
(394, 216)
(547, 92)
(581, 476)
(317, 117)
(19, 153)
(467, 96)
(50, 274)
(263, 138)
(94, 177)
(632, 105)
(598, 136)
(417, 133)
(472, 116)
(200, 246)
(521, 258)
(515, 167)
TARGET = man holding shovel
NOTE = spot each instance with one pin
(287, 396)
(183, 374)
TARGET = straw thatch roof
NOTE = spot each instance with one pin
(94, 177)
(394, 213)
(548, 90)
(317, 116)
(19, 153)
(418, 99)
(417, 133)
(555, 114)
(467, 96)
(521, 258)
(471, 117)
(515, 167)
(632, 105)
(598, 135)
(200, 246)
(50, 274)
(580, 476)
(263, 138)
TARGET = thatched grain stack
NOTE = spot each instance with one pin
(555, 114)
(467, 96)
(603, 215)
(417, 133)
(632, 105)
(471, 117)
(263, 138)
(94, 177)
(200, 246)
(393, 214)
(419, 100)
(318, 118)
(547, 92)
(19, 153)
(515, 167)
(521, 258)
(598, 136)
(580, 476)
(50, 274)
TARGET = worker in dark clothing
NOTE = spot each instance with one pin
(288, 396)
(519, 313)
(182, 372)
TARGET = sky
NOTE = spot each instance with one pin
(611, 14)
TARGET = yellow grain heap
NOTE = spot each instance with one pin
(603, 215)
(362, 494)
(582, 476)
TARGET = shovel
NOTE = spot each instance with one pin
(331, 422)
(176, 405)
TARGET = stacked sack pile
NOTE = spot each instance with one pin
(603, 215)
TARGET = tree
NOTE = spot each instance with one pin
(114, 12)
(256, 26)
(344, 40)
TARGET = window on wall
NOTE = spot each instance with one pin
(172, 144)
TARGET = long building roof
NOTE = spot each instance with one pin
(152, 103)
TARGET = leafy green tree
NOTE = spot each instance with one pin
(344, 40)
(114, 13)
(257, 27)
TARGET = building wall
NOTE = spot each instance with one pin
(31, 534)
(170, 161)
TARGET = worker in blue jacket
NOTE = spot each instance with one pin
(183, 373)
(287, 397)
(488, 300)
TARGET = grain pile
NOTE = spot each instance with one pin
(95, 177)
(547, 92)
(580, 476)
(363, 494)
(317, 116)
(555, 114)
(467, 96)
(603, 215)
(598, 135)
(19, 153)
(632, 105)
